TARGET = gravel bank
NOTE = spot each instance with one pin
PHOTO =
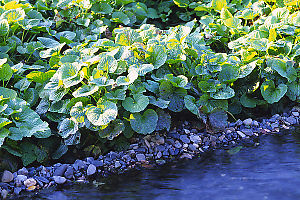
(183, 142)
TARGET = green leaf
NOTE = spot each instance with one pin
(182, 3)
(232, 22)
(128, 37)
(228, 74)
(114, 129)
(48, 42)
(101, 8)
(225, 14)
(3, 134)
(85, 90)
(31, 96)
(4, 122)
(60, 151)
(22, 84)
(164, 120)
(4, 27)
(161, 103)
(246, 70)
(156, 55)
(120, 17)
(225, 92)
(13, 15)
(259, 44)
(69, 71)
(218, 4)
(103, 114)
(248, 102)
(293, 91)
(131, 77)
(208, 86)
(272, 94)
(282, 68)
(78, 112)
(119, 94)
(144, 123)
(142, 69)
(190, 104)
(107, 63)
(67, 127)
(5, 72)
(7, 93)
(138, 103)
(40, 77)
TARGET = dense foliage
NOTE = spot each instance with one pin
(97, 69)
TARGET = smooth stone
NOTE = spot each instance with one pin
(186, 131)
(238, 123)
(248, 122)
(186, 155)
(195, 139)
(42, 179)
(118, 164)
(159, 140)
(23, 171)
(89, 160)
(91, 170)
(59, 179)
(240, 133)
(177, 145)
(97, 163)
(4, 194)
(192, 147)
(60, 170)
(185, 145)
(296, 114)
(166, 153)
(17, 190)
(30, 182)
(79, 164)
(7, 177)
(69, 173)
(255, 123)
(184, 139)
(159, 155)
(140, 157)
(19, 180)
(292, 120)
(173, 135)
(248, 132)
(160, 148)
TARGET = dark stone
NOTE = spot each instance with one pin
(160, 148)
(98, 163)
(42, 179)
(60, 170)
(69, 172)
(184, 139)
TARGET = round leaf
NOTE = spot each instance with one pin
(138, 103)
(103, 114)
(144, 123)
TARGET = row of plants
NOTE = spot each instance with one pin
(90, 74)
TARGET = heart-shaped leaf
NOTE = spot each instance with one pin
(272, 94)
(103, 114)
(138, 103)
(144, 123)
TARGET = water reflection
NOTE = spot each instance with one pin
(270, 170)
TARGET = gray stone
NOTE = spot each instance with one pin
(195, 139)
(248, 132)
(29, 182)
(69, 173)
(177, 144)
(23, 171)
(160, 162)
(186, 131)
(159, 155)
(192, 147)
(91, 170)
(159, 140)
(184, 139)
(186, 155)
(89, 160)
(42, 179)
(60, 170)
(17, 190)
(241, 134)
(97, 163)
(7, 177)
(160, 148)
(296, 114)
(117, 164)
(292, 120)
(166, 153)
(255, 123)
(79, 164)
(140, 157)
(248, 122)
(19, 180)
(59, 179)
(4, 194)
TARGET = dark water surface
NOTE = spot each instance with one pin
(270, 170)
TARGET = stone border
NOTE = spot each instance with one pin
(183, 142)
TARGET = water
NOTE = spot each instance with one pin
(270, 170)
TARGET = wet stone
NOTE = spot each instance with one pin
(7, 177)
(42, 179)
(296, 114)
(166, 153)
(79, 164)
(248, 132)
(248, 122)
(59, 179)
(91, 170)
(69, 172)
(192, 147)
(19, 180)
(23, 171)
(160, 148)
(90, 160)
(141, 150)
(30, 182)
(174, 135)
(159, 139)
(97, 163)
(292, 120)
(140, 157)
(60, 170)
(117, 164)
(184, 139)
(195, 139)
(241, 134)
(17, 190)
(177, 144)
(158, 155)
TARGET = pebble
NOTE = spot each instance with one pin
(240, 133)
(248, 122)
(195, 139)
(4, 194)
(7, 177)
(296, 114)
(29, 182)
(159, 140)
(255, 123)
(91, 170)
(60, 170)
(177, 144)
(19, 180)
(292, 120)
(192, 147)
(184, 139)
(23, 171)
(117, 164)
(59, 179)
(69, 173)
(159, 155)
(140, 157)
(248, 132)
(79, 164)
